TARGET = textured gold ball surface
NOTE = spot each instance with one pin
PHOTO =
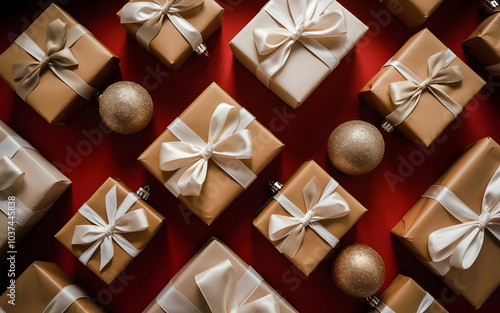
(359, 271)
(356, 147)
(126, 107)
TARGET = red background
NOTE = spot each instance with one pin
(304, 131)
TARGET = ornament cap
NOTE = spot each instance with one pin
(202, 49)
(491, 5)
(143, 192)
(275, 186)
(373, 301)
(387, 127)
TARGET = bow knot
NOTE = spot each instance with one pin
(207, 152)
(110, 229)
(425, 84)
(166, 7)
(44, 62)
(306, 220)
(484, 220)
(295, 35)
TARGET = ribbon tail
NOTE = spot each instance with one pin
(291, 244)
(149, 30)
(270, 66)
(85, 257)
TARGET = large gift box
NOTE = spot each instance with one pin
(422, 89)
(217, 280)
(211, 153)
(453, 228)
(44, 287)
(29, 186)
(412, 12)
(306, 218)
(404, 295)
(292, 52)
(110, 229)
(172, 30)
(56, 65)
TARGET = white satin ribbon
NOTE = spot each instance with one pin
(228, 142)
(328, 205)
(102, 234)
(153, 14)
(459, 245)
(406, 94)
(65, 298)
(304, 22)
(424, 305)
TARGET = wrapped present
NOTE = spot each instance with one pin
(172, 30)
(110, 229)
(453, 228)
(412, 12)
(404, 295)
(29, 186)
(422, 89)
(43, 287)
(217, 280)
(56, 65)
(306, 218)
(211, 153)
(292, 52)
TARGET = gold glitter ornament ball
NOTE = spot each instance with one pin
(356, 147)
(359, 271)
(126, 107)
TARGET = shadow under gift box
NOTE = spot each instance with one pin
(314, 248)
(211, 254)
(219, 189)
(430, 117)
(138, 239)
(41, 185)
(467, 178)
(53, 99)
(303, 71)
(412, 13)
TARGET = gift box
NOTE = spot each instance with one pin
(43, 287)
(29, 187)
(404, 295)
(110, 229)
(268, 46)
(211, 153)
(308, 216)
(422, 89)
(172, 37)
(452, 228)
(56, 65)
(217, 280)
(412, 12)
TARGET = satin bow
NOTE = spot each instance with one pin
(102, 234)
(406, 94)
(328, 205)
(153, 15)
(307, 21)
(228, 142)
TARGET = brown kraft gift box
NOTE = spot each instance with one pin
(52, 98)
(313, 249)
(219, 189)
(468, 178)
(412, 12)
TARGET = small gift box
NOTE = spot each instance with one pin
(211, 153)
(412, 12)
(453, 228)
(422, 89)
(307, 216)
(29, 186)
(43, 287)
(172, 30)
(292, 51)
(110, 229)
(404, 295)
(217, 280)
(56, 65)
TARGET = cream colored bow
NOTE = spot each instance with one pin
(102, 234)
(406, 94)
(307, 21)
(58, 57)
(328, 205)
(153, 15)
(228, 142)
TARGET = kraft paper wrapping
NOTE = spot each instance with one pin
(52, 98)
(404, 295)
(138, 239)
(41, 186)
(412, 12)
(314, 249)
(219, 189)
(467, 178)
(303, 71)
(38, 285)
(430, 117)
(169, 46)
(210, 255)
